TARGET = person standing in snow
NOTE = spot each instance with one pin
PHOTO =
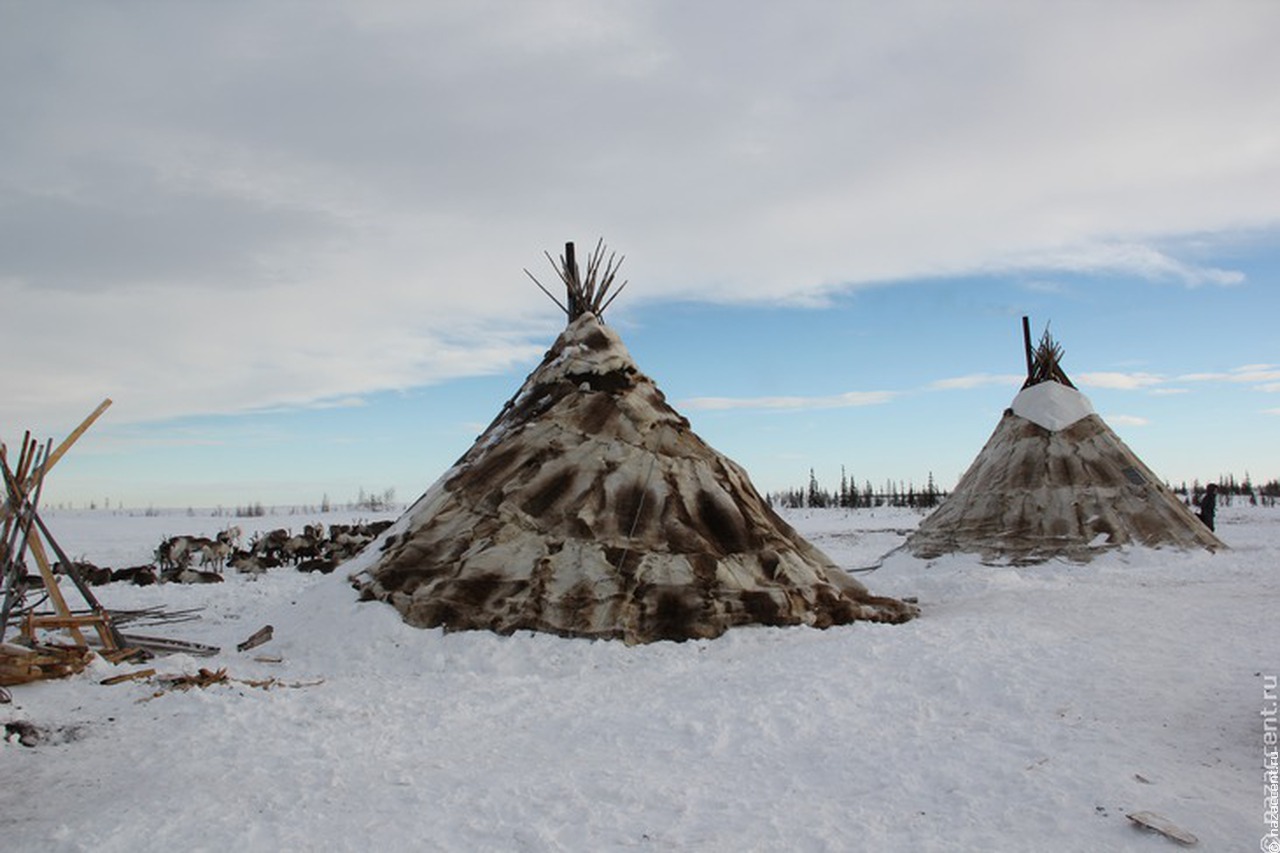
(1209, 504)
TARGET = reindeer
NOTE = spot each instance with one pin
(249, 563)
(144, 575)
(347, 540)
(215, 551)
(87, 571)
(306, 545)
(197, 576)
(323, 566)
(231, 536)
(173, 552)
(270, 545)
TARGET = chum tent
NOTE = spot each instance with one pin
(589, 508)
(1055, 481)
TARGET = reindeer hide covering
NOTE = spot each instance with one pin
(589, 508)
(1055, 481)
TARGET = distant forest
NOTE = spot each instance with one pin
(1229, 488)
(851, 496)
(906, 494)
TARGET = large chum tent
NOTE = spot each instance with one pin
(589, 508)
(1054, 481)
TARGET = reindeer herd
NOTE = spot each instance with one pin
(199, 559)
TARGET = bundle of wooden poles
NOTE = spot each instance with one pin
(587, 293)
(23, 532)
(1044, 361)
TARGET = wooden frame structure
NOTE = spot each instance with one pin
(22, 530)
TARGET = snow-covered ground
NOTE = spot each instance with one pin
(1026, 709)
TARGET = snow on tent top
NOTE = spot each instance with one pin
(1054, 481)
(589, 508)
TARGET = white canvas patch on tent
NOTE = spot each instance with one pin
(1051, 405)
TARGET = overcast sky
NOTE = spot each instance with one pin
(221, 213)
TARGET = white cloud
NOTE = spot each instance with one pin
(1248, 374)
(166, 355)
(1256, 373)
(1169, 392)
(977, 380)
(1044, 286)
(1118, 381)
(835, 401)
(228, 209)
(316, 405)
(1127, 420)
(1142, 260)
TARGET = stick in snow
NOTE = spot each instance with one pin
(259, 637)
(1164, 826)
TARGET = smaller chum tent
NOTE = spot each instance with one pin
(1054, 481)
(589, 508)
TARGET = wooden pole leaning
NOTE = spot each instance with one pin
(25, 477)
(23, 486)
(24, 510)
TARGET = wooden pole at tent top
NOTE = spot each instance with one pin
(570, 262)
(572, 282)
(1026, 343)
